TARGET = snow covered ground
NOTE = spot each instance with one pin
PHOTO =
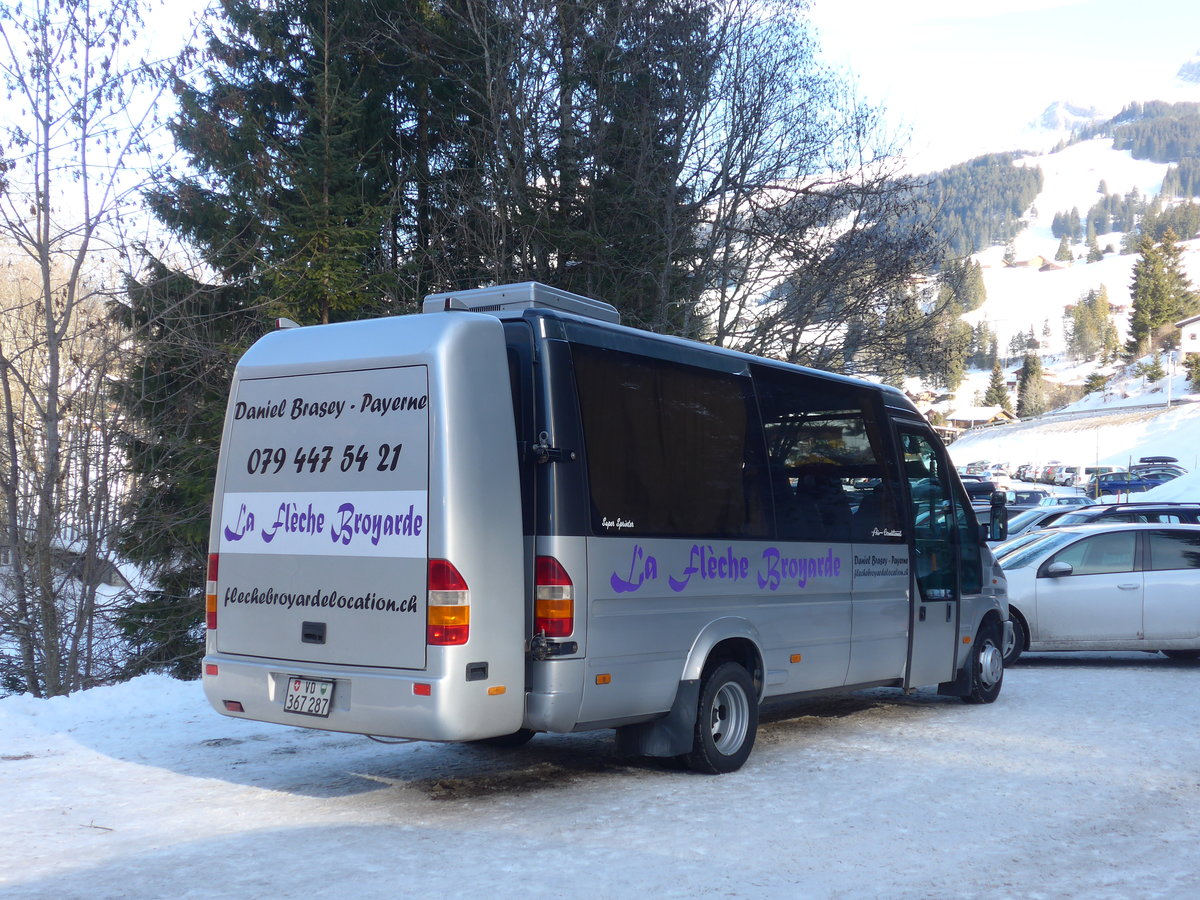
(1114, 438)
(1081, 780)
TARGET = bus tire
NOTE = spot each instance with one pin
(1182, 654)
(985, 666)
(726, 721)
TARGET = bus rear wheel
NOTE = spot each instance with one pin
(726, 721)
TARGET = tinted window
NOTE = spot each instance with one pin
(826, 460)
(1088, 518)
(1174, 550)
(672, 450)
(1027, 548)
(1100, 554)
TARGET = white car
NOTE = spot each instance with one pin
(1066, 476)
(1117, 586)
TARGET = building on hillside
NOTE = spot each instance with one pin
(1189, 335)
(1034, 262)
(974, 416)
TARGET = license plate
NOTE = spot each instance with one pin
(308, 696)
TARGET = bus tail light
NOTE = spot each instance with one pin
(449, 613)
(210, 594)
(554, 599)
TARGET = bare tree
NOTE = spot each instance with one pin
(75, 135)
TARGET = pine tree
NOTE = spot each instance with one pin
(1191, 365)
(1063, 253)
(976, 290)
(997, 391)
(1153, 371)
(1160, 290)
(1031, 398)
(1096, 381)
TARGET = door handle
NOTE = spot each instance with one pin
(1128, 587)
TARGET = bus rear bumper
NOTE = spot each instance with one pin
(387, 703)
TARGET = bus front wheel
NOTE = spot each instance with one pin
(726, 721)
(986, 666)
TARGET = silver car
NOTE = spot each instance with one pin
(1117, 586)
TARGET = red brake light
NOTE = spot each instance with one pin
(210, 594)
(554, 599)
(448, 617)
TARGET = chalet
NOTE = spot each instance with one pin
(1034, 262)
(1189, 335)
(973, 416)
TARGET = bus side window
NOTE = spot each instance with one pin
(825, 453)
(671, 450)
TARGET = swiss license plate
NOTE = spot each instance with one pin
(308, 696)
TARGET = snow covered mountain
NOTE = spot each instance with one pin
(1189, 72)
(1034, 295)
(1064, 117)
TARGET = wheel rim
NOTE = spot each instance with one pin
(991, 664)
(730, 718)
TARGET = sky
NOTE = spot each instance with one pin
(967, 76)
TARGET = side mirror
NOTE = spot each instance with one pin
(997, 527)
(1059, 569)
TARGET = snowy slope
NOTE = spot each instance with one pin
(1020, 298)
(1023, 298)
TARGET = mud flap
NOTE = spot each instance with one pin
(960, 686)
(671, 735)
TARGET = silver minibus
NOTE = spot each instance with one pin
(510, 514)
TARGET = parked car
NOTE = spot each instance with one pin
(1024, 498)
(1169, 513)
(980, 491)
(1163, 467)
(1088, 475)
(1114, 586)
(1123, 483)
(1066, 500)
(1066, 475)
(1156, 461)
